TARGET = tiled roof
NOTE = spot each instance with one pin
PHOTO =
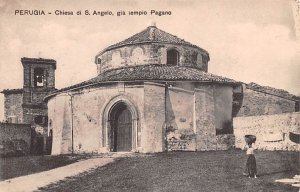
(273, 91)
(153, 73)
(12, 91)
(152, 35)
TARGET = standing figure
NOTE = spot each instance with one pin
(251, 161)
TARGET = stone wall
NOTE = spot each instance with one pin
(13, 107)
(59, 124)
(164, 117)
(256, 103)
(154, 118)
(272, 131)
(213, 108)
(225, 141)
(87, 116)
(151, 54)
(15, 139)
(223, 98)
(33, 104)
(38, 96)
(30, 113)
(223, 109)
(205, 118)
(180, 133)
(196, 114)
(91, 112)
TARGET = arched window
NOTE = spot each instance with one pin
(39, 77)
(172, 57)
(199, 59)
(137, 55)
(116, 58)
(98, 60)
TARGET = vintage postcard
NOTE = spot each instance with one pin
(169, 95)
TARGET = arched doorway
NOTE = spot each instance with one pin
(120, 119)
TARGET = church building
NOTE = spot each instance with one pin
(152, 94)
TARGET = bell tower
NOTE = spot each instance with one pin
(39, 81)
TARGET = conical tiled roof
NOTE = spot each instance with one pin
(152, 35)
(161, 73)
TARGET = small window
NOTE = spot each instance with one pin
(50, 123)
(172, 57)
(199, 59)
(50, 133)
(38, 77)
(204, 59)
(137, 55)
(98, 61)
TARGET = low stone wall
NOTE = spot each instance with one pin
(225, 141)
(15, 139)
(256, 102)
(273, 132)
(13, 107)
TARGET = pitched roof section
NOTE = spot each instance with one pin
(153, 73)
(272, 91)
(152, 35)
(12, 91)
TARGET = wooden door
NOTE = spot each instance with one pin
(123, 130)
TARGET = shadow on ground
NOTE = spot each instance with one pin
(11, 167)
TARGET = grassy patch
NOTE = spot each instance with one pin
(187, 171)
(11, 167)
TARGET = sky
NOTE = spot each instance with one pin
(248, 41)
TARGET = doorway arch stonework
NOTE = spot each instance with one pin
(106, 125)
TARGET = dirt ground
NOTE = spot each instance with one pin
(187, 171)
